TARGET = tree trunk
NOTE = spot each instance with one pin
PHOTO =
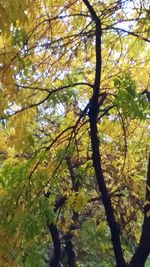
(54, 262)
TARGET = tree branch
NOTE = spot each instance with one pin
(131, 33)
(50, 92)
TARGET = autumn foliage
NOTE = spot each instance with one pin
(74, 133)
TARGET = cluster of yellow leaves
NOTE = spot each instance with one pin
(20, 127)
(77, 200)
(7, 246)
(11, 11)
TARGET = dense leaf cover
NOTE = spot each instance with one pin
(74, 133)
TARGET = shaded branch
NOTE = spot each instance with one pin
(50, 92)
(130, 33)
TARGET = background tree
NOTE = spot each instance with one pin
(74, 144)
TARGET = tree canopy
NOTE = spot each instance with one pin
(74, 133)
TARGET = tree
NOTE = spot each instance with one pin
(74, 133)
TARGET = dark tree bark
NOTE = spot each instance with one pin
(54, 262)
(69, 250)
(143, 250)
(93, 114)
